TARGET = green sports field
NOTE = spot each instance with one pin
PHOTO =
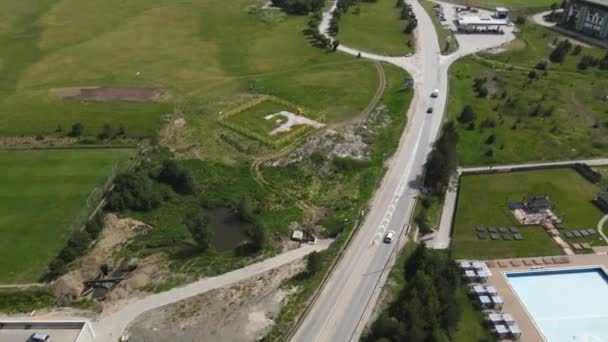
(483, 201)
(44, 193)
(209, 54)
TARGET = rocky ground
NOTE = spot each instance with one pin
(241, 312)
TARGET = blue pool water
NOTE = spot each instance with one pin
(566, 305)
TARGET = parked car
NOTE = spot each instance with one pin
(40, 337)
(390, 236)
(430, 110)
(435, 93)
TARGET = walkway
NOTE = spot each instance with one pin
(600, 227)
(111, 326)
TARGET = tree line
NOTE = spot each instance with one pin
(300, 7)
(426, 309)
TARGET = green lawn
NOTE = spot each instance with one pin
(210, 54)
(571, 121)
(375, 27)
(442, 32)
(483, 201)
(44, 194)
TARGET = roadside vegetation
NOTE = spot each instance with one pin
(25, 300)
(431, 304)
(537, 94)
(337, 189)
(446, 38)
(483, 201)
(379, 27)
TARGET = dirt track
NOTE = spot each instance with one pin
(133, 94)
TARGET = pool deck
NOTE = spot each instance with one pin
(512, 305)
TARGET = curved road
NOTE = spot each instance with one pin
(345, 303)
(110, 327)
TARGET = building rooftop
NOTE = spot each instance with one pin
(597, 2)
(484, 20)
(17, 331)
(502, 9)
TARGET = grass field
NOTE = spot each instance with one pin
(375, 27)
(253, 120)
(442, 32)
(204, 62)
(43, 194)
(483, 201)
(562, 113)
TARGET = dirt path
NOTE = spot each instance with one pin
(256, 171)
(112, 325)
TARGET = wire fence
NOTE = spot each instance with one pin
(96, 199)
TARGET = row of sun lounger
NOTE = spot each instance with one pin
(580, 233)
(580, 246)
(496, 236)
(482, 229)
(529, 262)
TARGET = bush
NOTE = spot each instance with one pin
(25, 300)
(133, 191)
(299, 6)
(179, 178)
(541, 65)
(259, 237)
(198, 226)
(77, 130)
(520, 20)
(467, 115)
(314, 263)
(95, 225)
(559, 53)
(106, 132)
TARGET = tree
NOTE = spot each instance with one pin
(561, 50)
(467, 115)
(577, 50)
(106, 132)
(132, 191)
(77, 130)
(520, 20)
(258, 237)
(313, 263)
(198, 226)
(180, 179)
(442, 161)
(490, 140)
(532, 75)
(334, 45)
(244, 210)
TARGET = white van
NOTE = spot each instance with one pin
(38, 337)
(435, 93)
(390, 236)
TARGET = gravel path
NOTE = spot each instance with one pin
(111, 326)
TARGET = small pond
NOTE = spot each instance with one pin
(227, 229)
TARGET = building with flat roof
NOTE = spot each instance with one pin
(589, 17)
(476, 23)
(60, 331)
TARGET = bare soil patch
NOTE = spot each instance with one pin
(134, 94)
(116, 232)
(242, 312)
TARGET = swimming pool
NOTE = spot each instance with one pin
(565, 304)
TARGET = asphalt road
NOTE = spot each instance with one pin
(347, 300)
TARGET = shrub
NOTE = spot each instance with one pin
(520, 20)
(541, 65)
(179, 178)
(25, 300)
(314, 262)
(198, 226)
(133, 191)
(467, 115)
(77, 130)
